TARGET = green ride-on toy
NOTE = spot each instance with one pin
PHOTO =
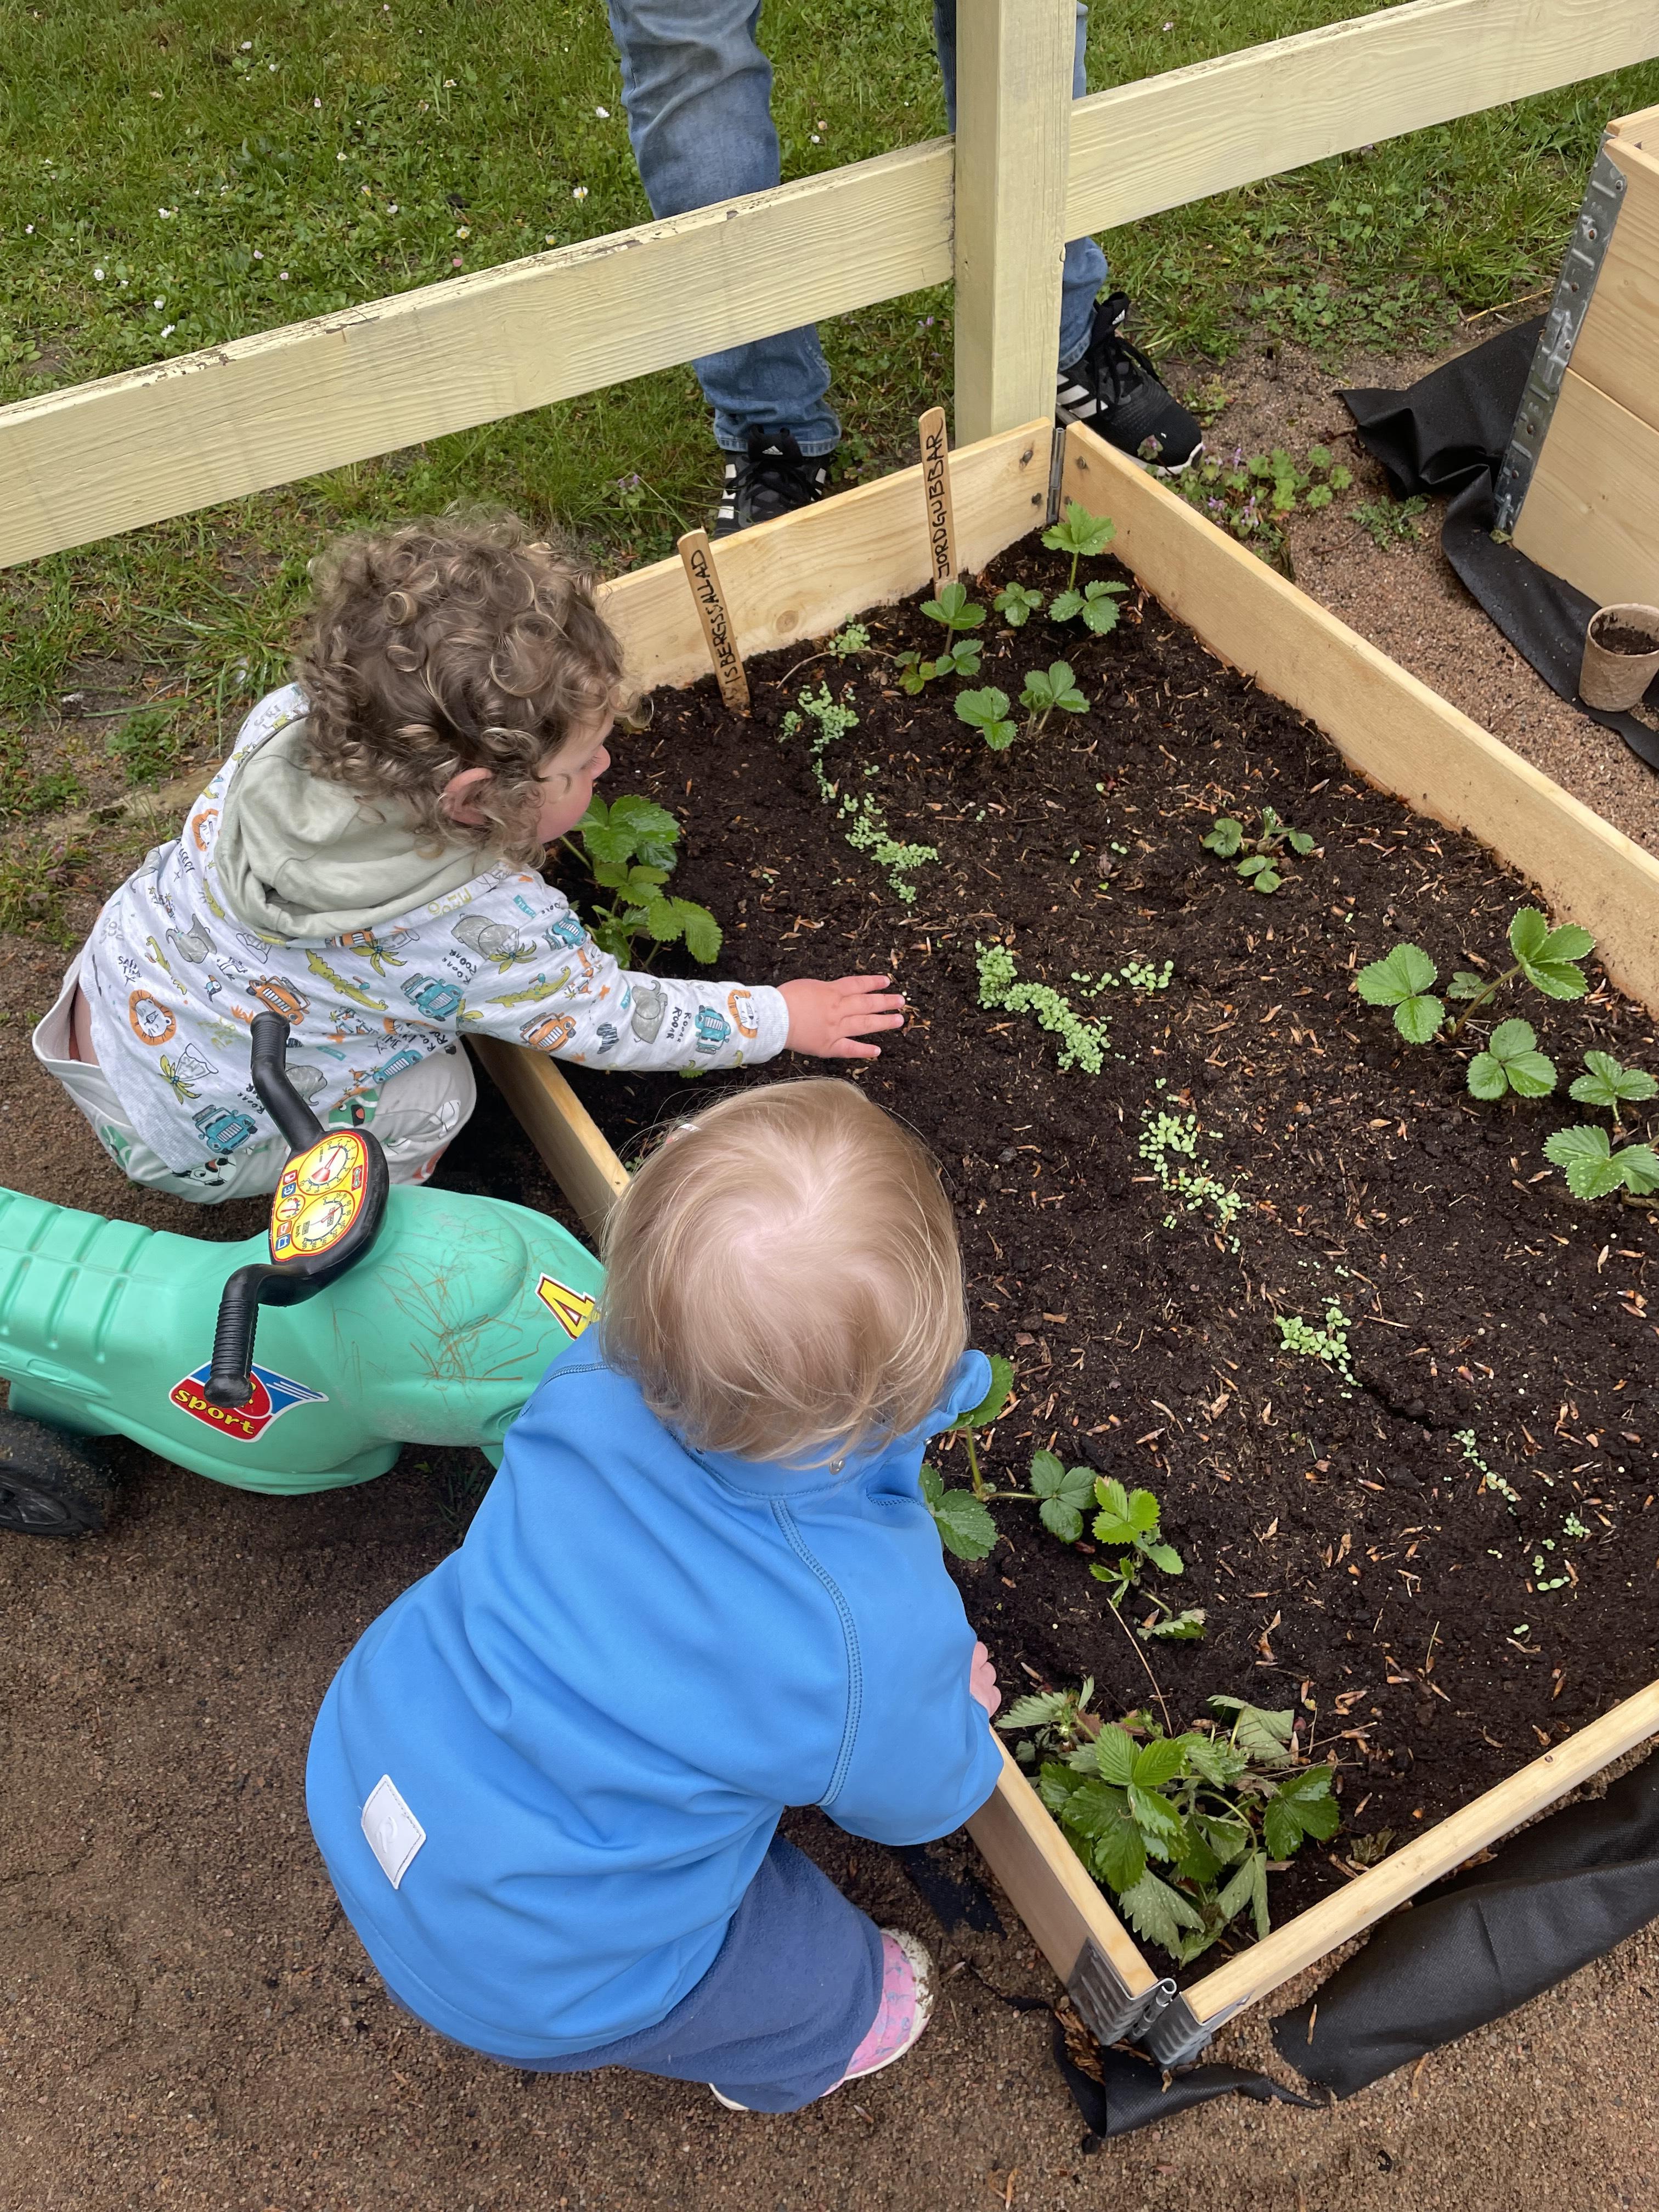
(391, 1316)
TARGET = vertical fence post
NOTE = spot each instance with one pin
(1013, 129)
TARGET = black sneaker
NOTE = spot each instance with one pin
(1114, 391)
(773, 478)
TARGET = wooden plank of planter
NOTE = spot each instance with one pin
(559, 1125)
(178, 435)
(805, 574)
(1245, 1979)
(1395, 730)
(1591, 513)
(1062, 1908)
(1165, 140)
(1022, 1847)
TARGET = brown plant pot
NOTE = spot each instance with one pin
(1618, 669)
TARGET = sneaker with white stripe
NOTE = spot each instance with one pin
(772, 476)
(1114, 390)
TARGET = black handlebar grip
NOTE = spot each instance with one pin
(230, 1380)
(276, 1094)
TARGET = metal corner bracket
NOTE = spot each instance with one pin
(1104, 2002)
(1568, 304)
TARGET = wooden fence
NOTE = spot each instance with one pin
(1034, 168)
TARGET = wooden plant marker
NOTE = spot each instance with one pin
(936, 497)
(698, 556)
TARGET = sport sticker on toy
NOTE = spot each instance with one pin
(273, 1395)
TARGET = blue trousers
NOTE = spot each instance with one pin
(698, 91)
(791, 1993)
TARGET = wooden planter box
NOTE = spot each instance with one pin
(801, 578)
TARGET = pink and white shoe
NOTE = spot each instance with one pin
(907, 2005)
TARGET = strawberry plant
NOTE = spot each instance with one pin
(963, 1518)
(1085, 537)
(954, 609)
(1511, 1063)
(1213, 1807)
(1595, 1170)
(1050, 691)
(914, 673)
(1547, 958)
(1017, 604)
(986, 711)
(1261, 864)
(1128, 1523)
(630, 847)
(1606, 1083)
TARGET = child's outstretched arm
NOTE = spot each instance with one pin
(541, 981)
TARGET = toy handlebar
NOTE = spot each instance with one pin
(326, 1213)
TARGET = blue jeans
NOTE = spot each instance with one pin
(698, 91)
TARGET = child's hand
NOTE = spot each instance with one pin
(982, 1681)
(825, 1017)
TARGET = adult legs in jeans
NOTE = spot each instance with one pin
(698, 91)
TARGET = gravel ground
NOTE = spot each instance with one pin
(186, 2021)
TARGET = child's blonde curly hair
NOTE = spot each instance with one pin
(783, 1279)
(454, 642)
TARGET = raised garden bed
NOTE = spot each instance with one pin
(1387, 1378)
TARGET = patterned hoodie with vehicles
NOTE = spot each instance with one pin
(287, 893)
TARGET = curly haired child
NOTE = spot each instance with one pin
(704, 1586)
(366, 865)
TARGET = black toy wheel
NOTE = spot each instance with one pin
(51, 1485)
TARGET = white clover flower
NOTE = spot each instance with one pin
(28, 230)
(99, 274)
(392, 207)
(604, 112)
(167, 329)
(167, 214)
(316, 103)
(247, 45)
(160, 303)
(258, 254)
(281, 275)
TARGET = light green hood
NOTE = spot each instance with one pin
(299, 857)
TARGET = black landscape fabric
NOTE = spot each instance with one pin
(1473, 1949)
(1131, 2091)
(1445, 438)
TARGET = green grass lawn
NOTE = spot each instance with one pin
(178, 174)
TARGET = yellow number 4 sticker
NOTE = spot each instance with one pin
(572, 1310)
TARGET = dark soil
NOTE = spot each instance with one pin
(1622, 637)
(1351, 1559)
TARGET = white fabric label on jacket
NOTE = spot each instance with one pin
(393, 1833)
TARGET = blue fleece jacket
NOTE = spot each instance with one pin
(593, 1714)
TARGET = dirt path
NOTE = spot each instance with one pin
(185, 2022)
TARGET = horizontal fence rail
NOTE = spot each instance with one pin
(94, 459)
(1164, 141)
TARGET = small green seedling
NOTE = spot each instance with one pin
(1062, 1494)
(1262, 853)
(856, 638)
(914, 672)
(1609, 1085)
(963, 1518)
(1017, 604)
(986, 711)
(1213, 1805)
(630, 847)
(1404, 980)
(1085, 537)
(1595, 1170)
(1081, 1036)
(954, 609)
(1049, 692)
(1129, 1521)
(1389, 522)
(1512, 1063)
